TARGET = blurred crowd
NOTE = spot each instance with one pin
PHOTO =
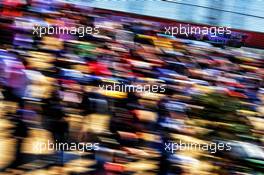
(50, 90)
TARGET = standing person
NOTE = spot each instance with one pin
(54, 121)
(20, 132)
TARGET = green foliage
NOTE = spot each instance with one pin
(218, 103)
(222, 108)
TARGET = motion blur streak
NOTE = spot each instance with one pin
(196, 104)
